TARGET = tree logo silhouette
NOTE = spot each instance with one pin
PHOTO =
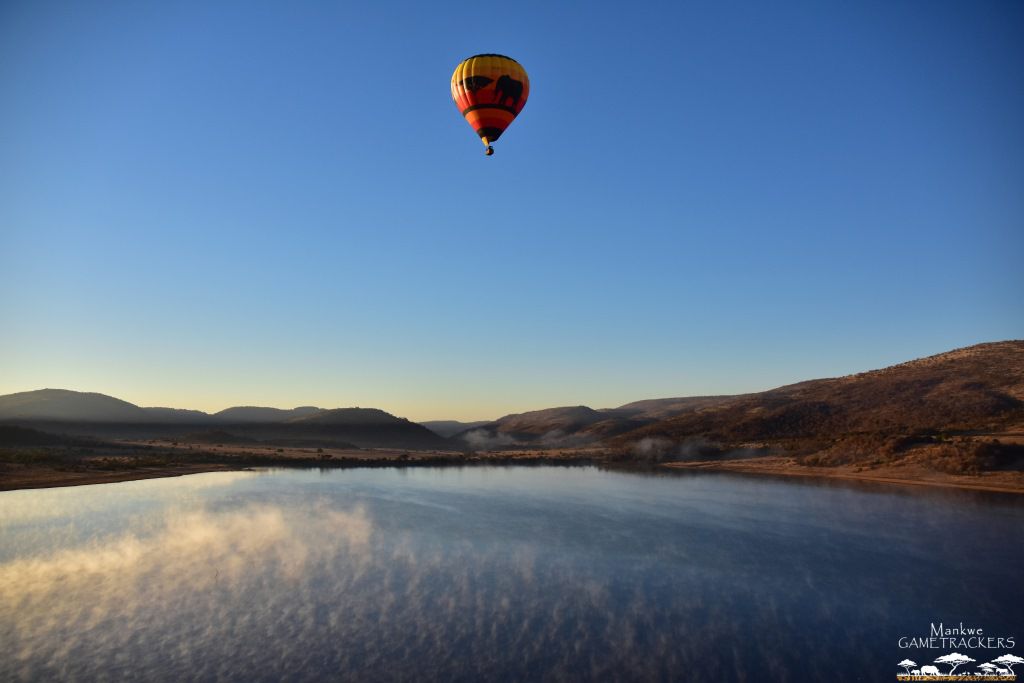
(999, 669)
(955, 659)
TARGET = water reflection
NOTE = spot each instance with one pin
(196, 567)
(34, 505)
(521, 574)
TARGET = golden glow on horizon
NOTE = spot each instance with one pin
(471, 409)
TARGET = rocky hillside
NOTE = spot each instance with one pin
(977, 388)
(968, 392)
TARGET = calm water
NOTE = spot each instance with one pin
(499, 573)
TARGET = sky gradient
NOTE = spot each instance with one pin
(213, 204)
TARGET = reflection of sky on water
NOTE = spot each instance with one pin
(46, 518)
(493, 572)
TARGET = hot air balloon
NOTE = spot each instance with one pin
(490, 91)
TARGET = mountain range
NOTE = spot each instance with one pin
(978, 389)
(97, 415)
(80, 406)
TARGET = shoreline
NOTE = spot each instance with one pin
(47, 478)
(36, 476)
(110, 470)
(1005, 482)
(39, 478)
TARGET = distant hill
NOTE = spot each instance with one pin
(62, 404)
(260, 414)
(348, 416)
(541, 422)
(578, 425)
(177, 415)
(974, 389)
(979, 388)
(564, 426)
(99, 416)
(662, 408)
(74, 406)
(362, 427)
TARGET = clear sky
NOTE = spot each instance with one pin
(206, 204)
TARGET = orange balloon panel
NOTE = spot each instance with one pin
(490, 91)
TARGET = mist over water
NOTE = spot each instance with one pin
(499, 573)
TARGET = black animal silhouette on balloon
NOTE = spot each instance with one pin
(474, 83)
(508, 89)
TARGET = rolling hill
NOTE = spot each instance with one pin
(62, 404)
(978, 390)
(577, 425)
(74, 413)
(970, 391)
(974, 389)
(241, 414)
(363, 427)
(548, 427)
(663, 408)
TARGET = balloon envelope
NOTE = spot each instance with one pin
(490, 91)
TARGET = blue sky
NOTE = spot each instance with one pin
(211, 204)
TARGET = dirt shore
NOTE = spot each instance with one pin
(1002, 482)
(36, 477)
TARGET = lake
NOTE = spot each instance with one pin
(500, 573)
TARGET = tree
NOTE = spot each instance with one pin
(906, 664)
(1008, 661)
(987, 668)
(956, 659)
